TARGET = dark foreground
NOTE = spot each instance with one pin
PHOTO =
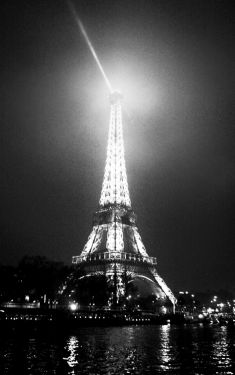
(133, 349)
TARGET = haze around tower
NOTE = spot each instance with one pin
(173, 62)
(123, 77)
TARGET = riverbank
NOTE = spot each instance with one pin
(33, 317)
(46, 318)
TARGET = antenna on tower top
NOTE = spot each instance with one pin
(89, 44)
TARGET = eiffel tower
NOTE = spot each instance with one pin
(114, 246)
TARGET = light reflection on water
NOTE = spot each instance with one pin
(220, 354)
(138, 350)
(72, 350)
(167, 353)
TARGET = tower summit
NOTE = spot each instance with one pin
(115, 247)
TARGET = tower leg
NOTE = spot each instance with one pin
(165, 288)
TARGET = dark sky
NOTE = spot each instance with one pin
(174, 62)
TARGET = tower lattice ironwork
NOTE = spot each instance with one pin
(114, 246)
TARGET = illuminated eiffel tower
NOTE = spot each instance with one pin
(114, 246)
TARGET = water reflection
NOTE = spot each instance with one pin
(72, 347)
(220, 353)
(134, 350)
(165, 346)
(167, 351)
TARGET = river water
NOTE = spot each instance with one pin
(166, 349)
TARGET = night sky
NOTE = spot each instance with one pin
(174, 62)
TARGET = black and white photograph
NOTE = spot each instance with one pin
(117, 161)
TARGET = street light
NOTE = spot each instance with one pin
(73, 306)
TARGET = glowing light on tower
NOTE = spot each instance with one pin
(115, 186)
(115, 242)
(115, 238)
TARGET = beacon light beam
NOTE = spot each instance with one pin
(90, 46)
